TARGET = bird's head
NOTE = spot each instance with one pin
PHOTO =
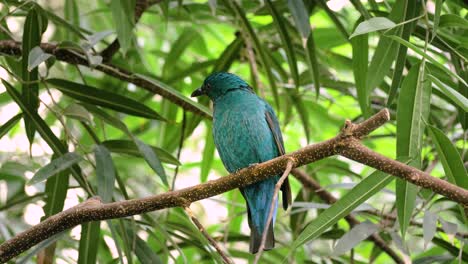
(218, 84)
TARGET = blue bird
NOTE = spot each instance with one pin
(246, 131)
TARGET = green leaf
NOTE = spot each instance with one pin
(36, 57)
(9, 124)
(413, 109)
(224, 61)
(451, 161)
(177, 49)
(300, 16)
(360, 45)
(55, 166)
(438, 9)
(355, 236)
(105, 173)
(451, 20)
(123, 13)
(412, 10)
(56, 191)
(208, 153)
(310, 50)
(285, 39)
(451, 93)
(104, 98)
(429, 226)
(78, 112)
(253, 37)
(152, 159)
(384, 54)
(89, 242)
(30, 91)
(129, 147)
(176, 93)
(44, 130)
(143, 251)
(72, 14)
(428, 57)
(355, 197)
(372, 25)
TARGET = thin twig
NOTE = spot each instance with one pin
(226, 259)
(288, 169)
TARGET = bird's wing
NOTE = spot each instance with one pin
(273, 124)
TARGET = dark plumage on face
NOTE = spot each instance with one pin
(218, 84)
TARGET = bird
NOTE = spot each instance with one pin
(246, 131)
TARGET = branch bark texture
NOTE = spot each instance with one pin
(11, 47)
(346, 144)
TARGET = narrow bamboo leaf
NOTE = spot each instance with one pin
(372, 25)
(252, 36)
(30, 91)
(384, 54)
(224, 61)
(45, 132)
(335, 19)
(70, 27)
(144, 253)
(9, 124)
(55, 166)
(303, 112)
(451, 20)
(355, 236)
(36, 57)
(176, 93)
(123, 13)
(451, 161)
(429, 227)
(105, 172)
(152, 159)
(89, 242)
(310, 49)
(72, 15)
(78, 112)
(129, 147)
(97, 37)
(360, 45)
(208, 153)
(451, 93)
(438, 9)
(104, 98)
(428, 57)
(358, 195)
(413, 109)
(177, 49)
(285, 39)
(300, 16)
(455, 251)
(412, 10)
(56, 191)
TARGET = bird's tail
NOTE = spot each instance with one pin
(256, 239)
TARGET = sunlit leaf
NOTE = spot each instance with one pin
(359, 194)
(8, 125)
(372, 25)
(451, 20)
(123, 14)
(360, 47)
(105, 173)
(36, 57)
(357, 234)
(455, 96)
(55, 166)
(413, 109)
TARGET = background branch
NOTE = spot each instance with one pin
(345, 143)
(11, 47)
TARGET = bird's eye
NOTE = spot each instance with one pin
(207, 87)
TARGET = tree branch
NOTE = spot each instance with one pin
(346, 144)
(13, 48)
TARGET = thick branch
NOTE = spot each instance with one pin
(344, 143)
(13, 48)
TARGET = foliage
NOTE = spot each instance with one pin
(316, 63)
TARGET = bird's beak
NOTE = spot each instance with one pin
(197, 92)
